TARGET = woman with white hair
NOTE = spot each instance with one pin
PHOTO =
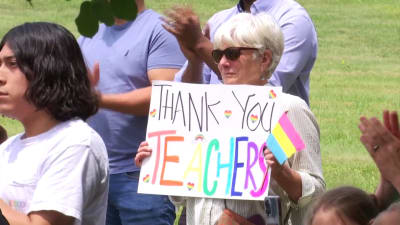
(247, 50)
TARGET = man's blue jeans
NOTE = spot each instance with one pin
(126, 206)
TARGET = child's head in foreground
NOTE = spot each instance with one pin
(390, 216)
(343, 206)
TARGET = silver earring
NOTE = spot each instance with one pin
(263, 77)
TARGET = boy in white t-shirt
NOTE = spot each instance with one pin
(56, 172)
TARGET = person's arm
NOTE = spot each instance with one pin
(184, 24)
(34, 218)
(384, 194)
(203, 48)
(163, 61)
(42, 193)
(193, 72)
(382, 142)
(287, 178)
(383, 147)
(301, 177)
(300, 48)
(135, 102)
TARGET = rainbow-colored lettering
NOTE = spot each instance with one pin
(202, 171)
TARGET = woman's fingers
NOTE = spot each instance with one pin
(140, 157)
(394, 124)
(143, 152)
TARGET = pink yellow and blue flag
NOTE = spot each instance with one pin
(284, 140)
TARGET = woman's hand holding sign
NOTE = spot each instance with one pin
(143, 152)
(287, 178)
(270, 159)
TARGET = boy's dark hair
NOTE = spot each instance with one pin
(52, 62)
(3, 134)
(3, 220)
(347, 201)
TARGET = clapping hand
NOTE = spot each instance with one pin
(382, 141)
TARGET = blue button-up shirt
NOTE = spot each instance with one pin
(300, 37)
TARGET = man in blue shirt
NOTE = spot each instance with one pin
(300, 39)
(131, 54)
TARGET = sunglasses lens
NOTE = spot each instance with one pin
(217, 55)
(232, 53)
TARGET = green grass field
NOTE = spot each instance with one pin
(357, 70)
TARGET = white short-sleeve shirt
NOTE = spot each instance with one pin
(64, 169)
